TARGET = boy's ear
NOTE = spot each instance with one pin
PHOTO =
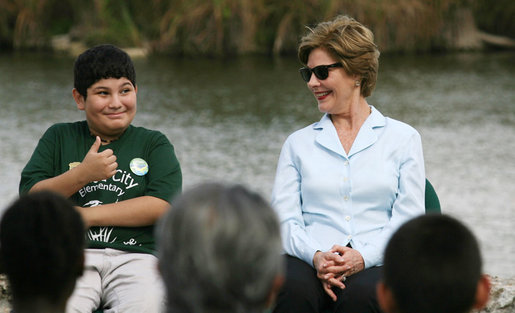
(274, 291)
(80, 269)
(79, 99)
(158, 267)
(482, 292)
(385, 298)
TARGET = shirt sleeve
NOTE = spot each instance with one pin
(287, 201)
(41, 163)
(165, 175)
(409, 202)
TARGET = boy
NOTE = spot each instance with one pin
(120, 176)
(433, 264)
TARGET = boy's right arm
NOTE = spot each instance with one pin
(94, 167)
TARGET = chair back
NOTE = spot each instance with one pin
(432, 201)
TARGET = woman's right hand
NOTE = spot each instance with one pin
(329, 267)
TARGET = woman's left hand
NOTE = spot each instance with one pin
(353, 261)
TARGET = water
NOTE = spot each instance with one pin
(228, 120)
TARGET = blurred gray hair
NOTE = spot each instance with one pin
(219, 250)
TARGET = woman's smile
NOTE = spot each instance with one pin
(321, 95)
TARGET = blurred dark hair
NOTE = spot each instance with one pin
(42, 246)
(433, 264)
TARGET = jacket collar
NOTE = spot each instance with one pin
(366, 137)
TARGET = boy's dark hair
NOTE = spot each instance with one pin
(433, 264)
(99, 62)
(41, 247)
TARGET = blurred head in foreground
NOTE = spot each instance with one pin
(433, 264)
(42, 251)
(219, 250)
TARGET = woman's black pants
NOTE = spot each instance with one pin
(302, 291)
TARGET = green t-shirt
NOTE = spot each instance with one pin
(154, 171)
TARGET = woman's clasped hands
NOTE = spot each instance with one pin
(334, 266)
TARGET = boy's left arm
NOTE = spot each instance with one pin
(139, 211)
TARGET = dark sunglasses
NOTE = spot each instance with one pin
(321, 71)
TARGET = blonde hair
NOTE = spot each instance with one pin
(351, 43)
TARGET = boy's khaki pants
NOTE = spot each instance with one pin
(118, 281)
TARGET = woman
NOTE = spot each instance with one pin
(346, 183)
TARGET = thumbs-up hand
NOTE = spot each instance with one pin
(99, 165)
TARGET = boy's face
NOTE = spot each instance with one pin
(110, 106)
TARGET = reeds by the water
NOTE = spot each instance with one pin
(228, 27)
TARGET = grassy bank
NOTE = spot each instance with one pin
(233, 27)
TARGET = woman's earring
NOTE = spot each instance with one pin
(358, 83)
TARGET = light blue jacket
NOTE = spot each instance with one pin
(324, 196)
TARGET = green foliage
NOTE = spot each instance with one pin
(497, 17)
(108, 21)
